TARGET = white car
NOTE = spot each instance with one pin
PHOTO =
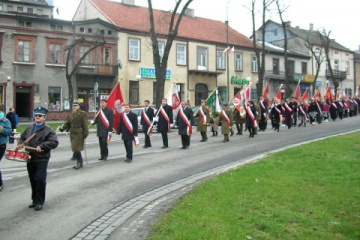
(138, 112)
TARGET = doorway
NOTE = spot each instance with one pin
(23, 102)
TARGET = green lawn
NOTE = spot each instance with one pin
(307, 192)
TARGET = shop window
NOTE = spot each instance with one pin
(54, 99)
(133, 92)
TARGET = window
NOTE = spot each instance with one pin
(28, 24)
(10, 8)
(133, 92)
(109, 32)
(238, 62)
(222, 93)
(30, 10)
(181, 54)
(161, 46)
(83, 50)
(220, 59)
(105, 56)
(291, 68)
(89, 30)
(21, 23)
(275, 66)
(1, 7)
(303, 67)
(52, 26)
(54, 98)
(82, 30)
(24, 51)
(59, 27)
(201, 92)
(347, 67)
(254, 65)
(39, 11)
(20, 9)
(275, 32)
(1, 42)
(55, 53)
(134, 49)
(202, 58)
(102, 32)
(336, 65)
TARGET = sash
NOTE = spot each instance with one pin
(251, 115)
(147, 120)
(103, 118)
(163, 113)
(262, 105)
(283, 108)
(288, 108)
(334, 105)
(278, 110)
(203, 115)
(187, 122)
(356, 103)
(341, 104)
(129, 126)
(224, 116)
(318, 106)
(303, 112)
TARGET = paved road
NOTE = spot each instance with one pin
(116, 200)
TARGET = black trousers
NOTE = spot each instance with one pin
(2, 152)
(129, 148)
(147, 139)
(185, 140)
(165, 139)
(104, 152)
(37, 172)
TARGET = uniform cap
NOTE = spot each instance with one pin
(76, 103)
(41, 111)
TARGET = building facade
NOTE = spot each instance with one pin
(197, 61)
(33, 58)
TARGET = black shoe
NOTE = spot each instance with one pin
(103, 158)
(238, 134)
(38, 207)
(232, 133)
(73, 159)
(205, 139)
(145, 146)
(78, 166)
(32, 205)
(164, 147)
(186, 147)
(128, 160)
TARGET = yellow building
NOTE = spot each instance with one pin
(197, 60)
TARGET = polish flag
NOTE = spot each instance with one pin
(116, 103)
(173, 100)
(306, 96)
(230, 50)
(278, 95)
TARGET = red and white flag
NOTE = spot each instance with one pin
(173, 100)
(230, 50)
(278, 95)
(248, 93)
(328, 94)
(236, 101)
(317, 94)
(266, 92)
(116, 103)
(306, 96)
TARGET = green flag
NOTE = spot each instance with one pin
(213, 103)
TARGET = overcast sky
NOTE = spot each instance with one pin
(339, 17)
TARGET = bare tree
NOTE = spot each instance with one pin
(161, 62)
(281, 10)
(262, 51)
(325, 41)
(72, 65)
(317, 54)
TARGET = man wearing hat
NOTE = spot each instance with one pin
(226, 121)
(41, 138)
(204, 119)
(105, 121)
(77, 123)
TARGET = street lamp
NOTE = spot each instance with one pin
(138, 77)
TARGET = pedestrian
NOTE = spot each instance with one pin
(326, 111)
(251, 118)
(77, 123)
(302, 113)
(340, 108)
(105, 122)
(295, 110)
(276, 114)
(333, 110)
(288, 113)
(42, 139)
(128, 128)
(226, 121)
(147, 116)
(319, 110)
(204, 120)
(5, 132)
(185, 121)
(240, 119)
(263, 114)
(11, 116)
(165, 121)
(313, 111)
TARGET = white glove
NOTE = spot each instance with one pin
(109, 133)
(92, 121)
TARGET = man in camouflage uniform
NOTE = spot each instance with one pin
(204, 119)
(226, 120)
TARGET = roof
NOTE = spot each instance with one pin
(276, 49)
(136, 18)
(313, 36)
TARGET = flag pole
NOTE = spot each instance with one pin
(206, 100)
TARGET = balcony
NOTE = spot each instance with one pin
(97, 69)
(338, 75)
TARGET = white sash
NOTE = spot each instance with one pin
(187, 122)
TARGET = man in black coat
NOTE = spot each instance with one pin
(263, 112)
(165, 120)
(11, 116)
(105, 121)
(128, 127)
(185, 121)
(147, 116)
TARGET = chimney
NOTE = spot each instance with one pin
(311, 27)
(128, 2)
(189, 12)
